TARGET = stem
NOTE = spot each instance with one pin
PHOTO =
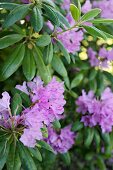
(69, 29)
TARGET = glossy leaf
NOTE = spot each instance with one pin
(93, 74)
(12, 63)
(77, 126)
(62, 19)
(64, 51)
(13, 160)
(45, 145)
(25, 98)
(77, 80)
(90, 14)
(16, 14)
(95, 31)
(4, 155)
(9, 40)
(16, 104)
(56, 124)
(43, 40)
(51, 14)
(59, 66)
(36, 19)
(89, 137)
(8, 5)
(43, 71)
(26, 159)
(36, 153)
(75, 12)
(48, 53)
(66, 158)
(102, 20)
(28, 65)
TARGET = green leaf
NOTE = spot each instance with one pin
(43, 40)
(97, 138)
(51, 14)
(13, 160)
(16, 14)
(100, 163)
(95, 31)
(45, 145)
(67, 82)
(9, 40)
(66, 158)
(91, 14)
(93, 85)
(8, 5)
(44, 131)
(73, 94)
(48, 53)
(62, 19)
(77, 126)
(36, 153)
(43, 71)
(26, 159)
(4, 155)
(64, 51)
(19, 30)
(93, 74)
(12, 63)
(102, 21)
(75, 12)
(57, 124)
(49, 2)
(59, 66)
(77, 80)
(79, 5)
(106, 138)
(89, 137)
(25, 98)
(36, 19)
(108, 35)
(2, 145)
(28, 65)
(16, 104)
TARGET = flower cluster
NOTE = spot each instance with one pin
(47, 106)
(70, 39)
(61, 141)
(95, 111)
(8, 120)
(87, 6)
(106, 7)
(101, 58)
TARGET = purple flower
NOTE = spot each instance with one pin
(70, 39)
(97, 112)
(49, 98)
(23, 88)
(101, 58)
(93, 57)
(85, 101)
(33, 123)
(106, 7)
(87, 6)
(48, 105)
(6, 117)
(5, 103)
(66, 5)
(61, 142)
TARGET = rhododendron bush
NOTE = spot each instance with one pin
(56, 84)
